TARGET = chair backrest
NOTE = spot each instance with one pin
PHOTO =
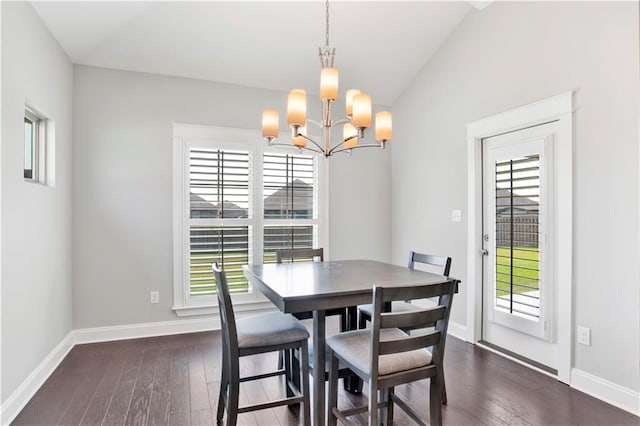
(227, 318)
(443, 262)
(420, 318)
(298, 254)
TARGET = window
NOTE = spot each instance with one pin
(32, 141)
(38, 140)
(290, 203)
(236, 203)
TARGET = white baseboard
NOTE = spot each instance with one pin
(151, 329)
(604, 390)
(12, 406)
(457, 330)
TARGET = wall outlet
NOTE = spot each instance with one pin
(584, 336)
(456, 215)
(154, 297)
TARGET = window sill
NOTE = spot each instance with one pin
(239, 308)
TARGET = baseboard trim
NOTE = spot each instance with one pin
(457, 330)
(604, 390)
(21, 396)
(153, 329)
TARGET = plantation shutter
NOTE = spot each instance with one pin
(517, 236)
(219, 206)
(290, 203)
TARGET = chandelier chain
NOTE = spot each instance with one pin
(326, 37)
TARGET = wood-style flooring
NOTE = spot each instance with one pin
(175, 380)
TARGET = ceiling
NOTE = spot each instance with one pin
(380, 46)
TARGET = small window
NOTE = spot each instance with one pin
(31, 151)
(36, 135)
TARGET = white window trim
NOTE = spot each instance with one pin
(558, 108)
(184, 136)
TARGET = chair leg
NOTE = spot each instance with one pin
(373, 403)
(224, 385)
(304, 377)
(234, 397)
(435, 399)
(288, 382)
(233, 384)
(333, 390)
(444, 388)
(390, 392)
(383, 397)
(296, 367)
(280, 360)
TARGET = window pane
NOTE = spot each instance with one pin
(28, 148)
(227, 245)
(219, 184)
(517, 251)
(289, 186)
(287, 237)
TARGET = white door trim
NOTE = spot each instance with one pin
(556, 108)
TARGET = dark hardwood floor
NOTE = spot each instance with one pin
(175, 379)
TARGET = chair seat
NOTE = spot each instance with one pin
(397, 306)
(355, 347)
(269, 329)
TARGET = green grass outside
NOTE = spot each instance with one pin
(525, 270)
(201, 274)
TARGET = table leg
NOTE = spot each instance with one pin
(318, 368)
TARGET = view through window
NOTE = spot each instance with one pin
(232, 219)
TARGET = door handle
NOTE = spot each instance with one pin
(485, 252)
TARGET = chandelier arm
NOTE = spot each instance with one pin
(279, 144)
(338, 145)
(299, 147)
(309, 149)
(317, 123)
(368, 145)
(320, 149)
(341, 121)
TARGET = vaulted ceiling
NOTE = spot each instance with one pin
(380, 46)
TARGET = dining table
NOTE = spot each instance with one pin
(319, 286)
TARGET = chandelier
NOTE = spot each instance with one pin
(357, 113)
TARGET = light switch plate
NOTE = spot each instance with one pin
(456, 215)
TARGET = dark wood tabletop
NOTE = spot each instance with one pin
(308, 286)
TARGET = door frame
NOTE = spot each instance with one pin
(556, 108)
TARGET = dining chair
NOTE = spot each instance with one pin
(386, 355)
(442, 262)
(257, 334)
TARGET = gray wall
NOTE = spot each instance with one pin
(122, 230)
(505, 56)
(36, 219)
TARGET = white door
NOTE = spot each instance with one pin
(518, 288)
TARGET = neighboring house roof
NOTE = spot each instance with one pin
(278, 201)
(201, 208)
(281, 199)
(521, 203)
